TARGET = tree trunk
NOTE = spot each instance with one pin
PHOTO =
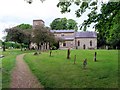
(3, 43)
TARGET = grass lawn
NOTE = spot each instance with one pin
(58, 72)
(8, 62)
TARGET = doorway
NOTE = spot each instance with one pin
(84, 47)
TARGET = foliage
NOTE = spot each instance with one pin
(0, 43)
(72, 24)
(42, 35)
(12, 44)
(24, 26)
(18, 35)
(58, 72)
(108, 26)
(15, 34)
(63, 24)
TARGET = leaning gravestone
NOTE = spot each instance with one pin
(75, 59)
(84, 63)
(95, 56)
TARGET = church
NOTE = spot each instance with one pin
(73, 39)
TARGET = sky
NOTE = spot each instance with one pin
(15, 12)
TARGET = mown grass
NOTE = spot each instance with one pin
(8, 63)
(58, 72)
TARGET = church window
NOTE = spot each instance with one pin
(91, 43)
(78, 43)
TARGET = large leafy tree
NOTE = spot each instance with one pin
(58, 24)
(20, 33)
(108, 24)
(27, 30)
(63, 24)
(41, 35)
(16, 35)
(72, 24)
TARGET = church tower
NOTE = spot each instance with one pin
(38, 23)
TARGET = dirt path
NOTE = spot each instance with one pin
(22, 76)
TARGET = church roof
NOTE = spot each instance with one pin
(86, 34)
(83, 34)
(62, 31)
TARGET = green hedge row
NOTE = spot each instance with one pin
(14, 45)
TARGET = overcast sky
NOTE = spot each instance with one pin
(15, 12)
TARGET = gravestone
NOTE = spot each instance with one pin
(68, 53)
(84, 63)
(51, 51)
(75, 59)
(95, 56)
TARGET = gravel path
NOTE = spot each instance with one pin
(22, 76)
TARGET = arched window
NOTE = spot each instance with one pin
(78, 43)
(91, 43)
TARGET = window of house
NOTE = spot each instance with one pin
(78, 43)
(91, 43)
(64, 44)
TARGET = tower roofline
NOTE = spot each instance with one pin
(39, 20)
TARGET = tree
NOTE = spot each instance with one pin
(3, 46)
(15, 34)
(42, 35)
(27, 40)
(72, 24)
(108, 26)
(58, 24)
(24, 26)
(63, 24)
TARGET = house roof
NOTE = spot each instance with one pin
(63, 31)
(86, 34)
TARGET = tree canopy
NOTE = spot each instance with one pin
(42, 35)
(63, 24)
(24, 26)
